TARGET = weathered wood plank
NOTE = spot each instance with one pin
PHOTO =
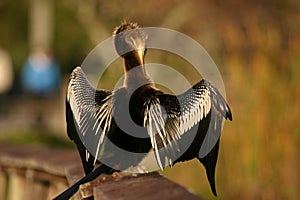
(142, 186)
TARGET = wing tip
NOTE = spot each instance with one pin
(228, 113)
(76, 70)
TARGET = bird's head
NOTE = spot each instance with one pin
(130, 43)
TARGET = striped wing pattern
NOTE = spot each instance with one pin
(168, 117)
(91, 108)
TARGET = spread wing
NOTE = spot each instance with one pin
(88, 115)
(169, 117)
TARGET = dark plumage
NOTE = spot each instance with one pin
(178, 128)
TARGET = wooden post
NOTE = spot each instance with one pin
(3, 184)
(16, 185)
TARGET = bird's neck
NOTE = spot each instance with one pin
(135, 74)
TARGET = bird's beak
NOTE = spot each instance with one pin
(140, 53)
(140, 48)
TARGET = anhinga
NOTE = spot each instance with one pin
(168, 120)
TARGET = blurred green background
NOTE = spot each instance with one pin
(255, 44)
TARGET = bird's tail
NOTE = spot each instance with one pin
(68, 193)
(209, 162)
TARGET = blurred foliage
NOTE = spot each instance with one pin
(14, 30)
(255, 44)
(36, 137)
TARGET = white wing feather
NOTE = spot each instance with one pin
(89, 115)
(165, 127)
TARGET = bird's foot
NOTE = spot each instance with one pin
(119, 175)
(114, 176)
(137, 170)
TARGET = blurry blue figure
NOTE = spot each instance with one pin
(41, 74)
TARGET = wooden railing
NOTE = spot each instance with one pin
(37, 173)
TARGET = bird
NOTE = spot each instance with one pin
(176, 127)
